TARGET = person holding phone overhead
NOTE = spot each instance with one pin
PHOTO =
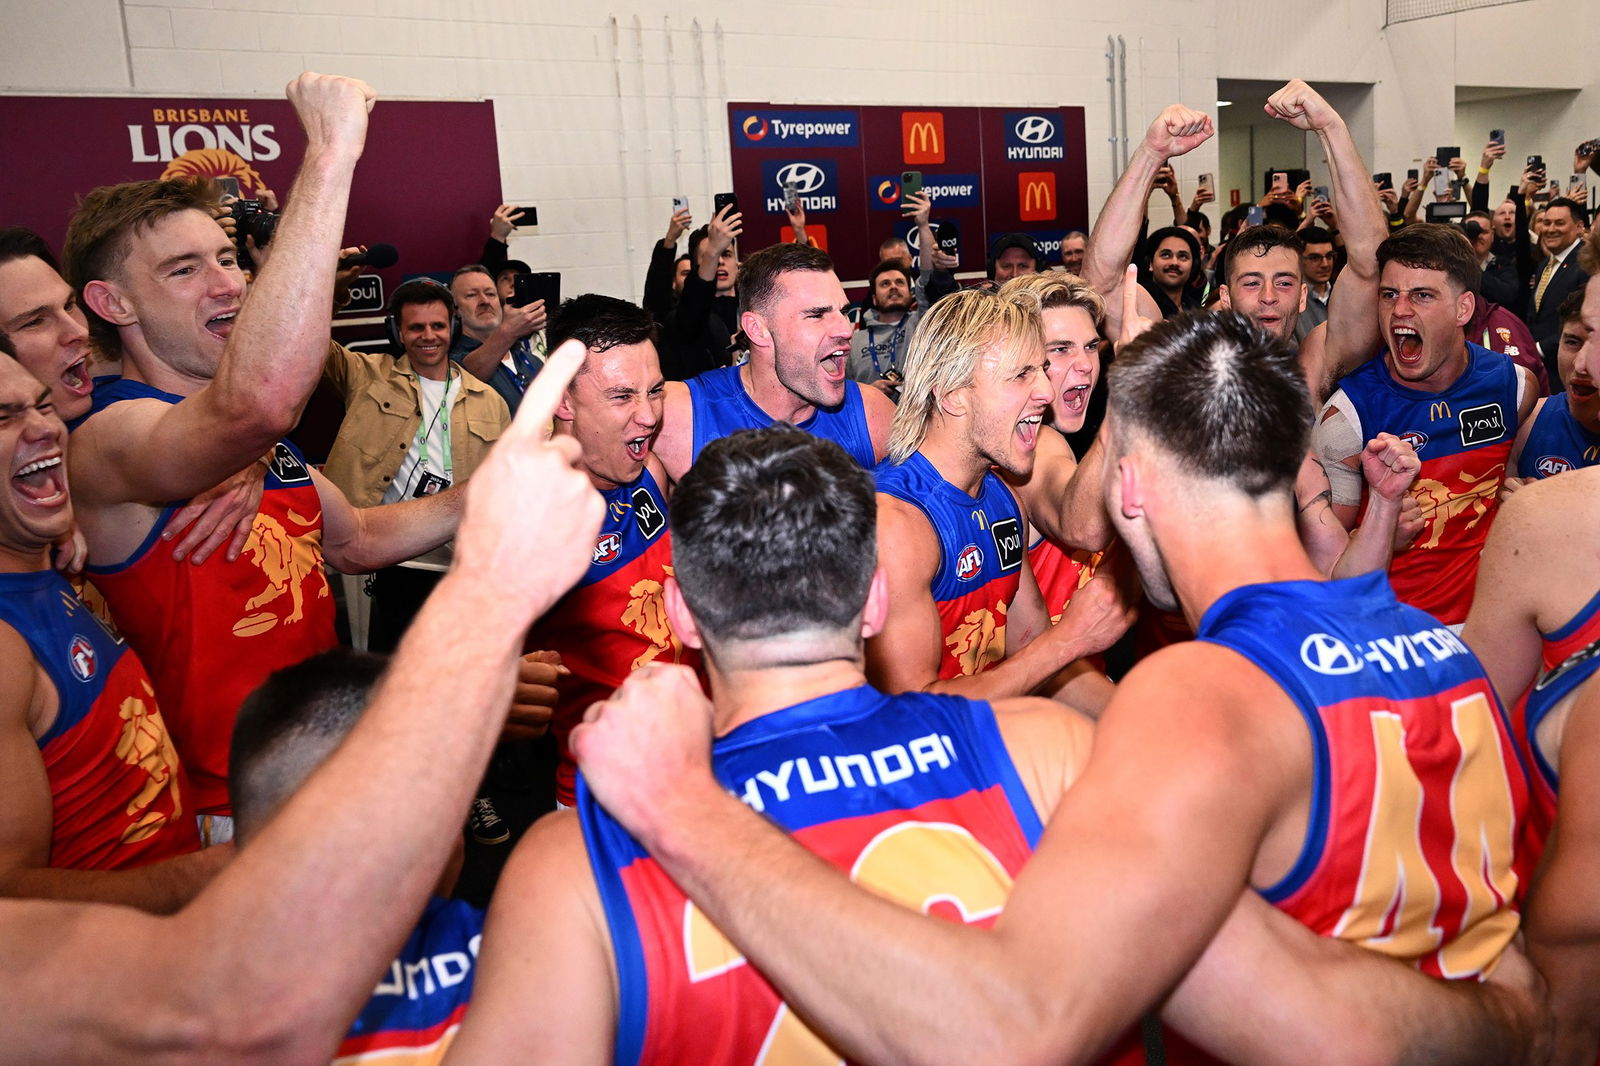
(699, 333)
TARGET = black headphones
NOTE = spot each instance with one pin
(419, 291)
(1013, 240)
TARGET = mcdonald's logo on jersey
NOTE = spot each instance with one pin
(1439, 410)
(922, 136)
(1036, 195)
(1591, 454)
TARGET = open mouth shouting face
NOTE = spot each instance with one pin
(35, 509)
(40, 313)
(1010, 394)
(1420, 313)
(810, 336)
(614, 407)
(1072, 346)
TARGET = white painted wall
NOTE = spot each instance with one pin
(605, 113)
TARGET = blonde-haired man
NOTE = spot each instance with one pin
(965, 613)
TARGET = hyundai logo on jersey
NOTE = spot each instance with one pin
(790, 129)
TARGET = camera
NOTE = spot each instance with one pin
(251, 220)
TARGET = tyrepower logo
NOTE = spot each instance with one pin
(796, 129)
(945, 190)
(922, 137)
(1031, 136)
(1036, 195)
(816, 182)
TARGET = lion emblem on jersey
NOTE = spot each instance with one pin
(1441, 504)
(146, 744)
(979, 641)
(646, 615)
(289, 563)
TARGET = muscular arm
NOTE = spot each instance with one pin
(155, 452)
(1174, 132)
(1350, 336)
(907, 653)
(1267, 983)
(356, 540)
(674, 444)
(1052, 981)
(524, 1009)
(1502, 628)
(290, 921)
(27, 812)
(1065, 498)
(879, 411)
(1563, 919)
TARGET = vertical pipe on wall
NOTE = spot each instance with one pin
(1122, 79)
(706, 121)
(623, 150)
(1111, 105)
(672, 105)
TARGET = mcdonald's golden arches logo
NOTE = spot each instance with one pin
(1591, 454)
(1438, 410)
(1036, 195)
(922, 136)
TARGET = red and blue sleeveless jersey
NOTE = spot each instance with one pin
(914, 796)
(1571, 655)
(1463, 436)
(116, 787)
(980, 558)
(211, 633)
(614, 621)
(721, 406)
(416, 1009)
(1060, 573)
(1556, 442)
(1417, 788)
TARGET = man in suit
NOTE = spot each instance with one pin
(1560, 231)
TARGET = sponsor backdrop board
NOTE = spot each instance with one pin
(990, 170)
(432, 205)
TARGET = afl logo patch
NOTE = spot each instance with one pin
(1328, 655)
(1551, 465)
(80, 654)
(1417, 440)
(969, 562)
(647, 513)
(607, 547)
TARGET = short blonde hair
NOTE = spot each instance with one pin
(1057, 288)
(945, 351)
